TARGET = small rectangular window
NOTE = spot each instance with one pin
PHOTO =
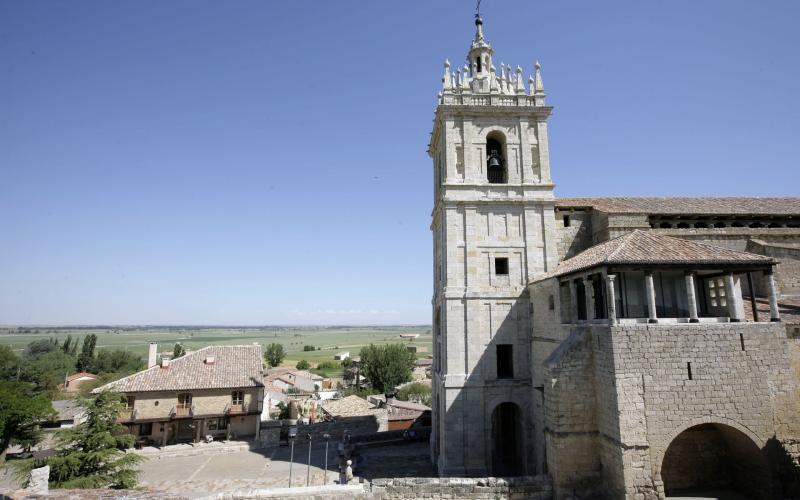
(505, 361)
(237, 398)
(501, 266)
(129, 401)
(566, 220)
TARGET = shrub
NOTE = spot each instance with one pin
(302, 365)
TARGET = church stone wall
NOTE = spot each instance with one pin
(575, 238)
(636, 378)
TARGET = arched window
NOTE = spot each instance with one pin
(495, 158)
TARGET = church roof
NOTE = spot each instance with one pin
(234, 366)
(649, 248)
(676, 205)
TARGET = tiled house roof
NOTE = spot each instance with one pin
(669, 205)
(233, 367)
(351, 406)
(645, 247)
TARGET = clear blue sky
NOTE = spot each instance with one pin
(252, 162)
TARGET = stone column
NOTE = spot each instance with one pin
(774, 313)
(611, 301)
(650, 288)
(691, 297)
(588, 292)
(730, 292)
(573, 296)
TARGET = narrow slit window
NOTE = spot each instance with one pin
(741, 340)
(689, 370)
(501, 266)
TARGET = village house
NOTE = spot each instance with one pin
(216, 391)
(401, 415)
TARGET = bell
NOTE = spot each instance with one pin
(494, 162)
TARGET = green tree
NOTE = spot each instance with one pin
(178, 351)
(9, 363)
(387, 366)
(48, 370)
(309, 348)
(91, 454)
(86, 357)
(118, 361)
(274, 354)
(20, 413)
(302, 365)
(416, 392)
(41, 347)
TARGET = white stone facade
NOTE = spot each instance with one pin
(479, 303)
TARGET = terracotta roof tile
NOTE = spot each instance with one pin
(234, 366)
(351, 406)
(674, 205)
(646, 247)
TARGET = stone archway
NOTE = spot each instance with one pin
(713, 457)
(507, 440)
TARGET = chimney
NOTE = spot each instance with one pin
(151, 356)
(210, 358)
(164, 361)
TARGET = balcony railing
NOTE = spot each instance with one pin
(127, 415)
(180, 411)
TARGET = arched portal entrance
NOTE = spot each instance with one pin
(713, 458)
(507, 441)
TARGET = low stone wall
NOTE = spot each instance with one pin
(355, 426)
(491, 488)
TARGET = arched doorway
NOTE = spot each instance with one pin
(715, 458)
(507, 441)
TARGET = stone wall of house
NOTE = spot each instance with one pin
(153, 405)
(492, 488)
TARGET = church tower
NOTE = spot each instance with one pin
(493, 232)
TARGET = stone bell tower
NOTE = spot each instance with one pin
(493, 232)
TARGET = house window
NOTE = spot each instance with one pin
(501, 266)
(237, 398)
(145, 429)
(184, 401)
(505, 361)
(218, 424)
(129, 401)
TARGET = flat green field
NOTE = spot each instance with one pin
(331, 340)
